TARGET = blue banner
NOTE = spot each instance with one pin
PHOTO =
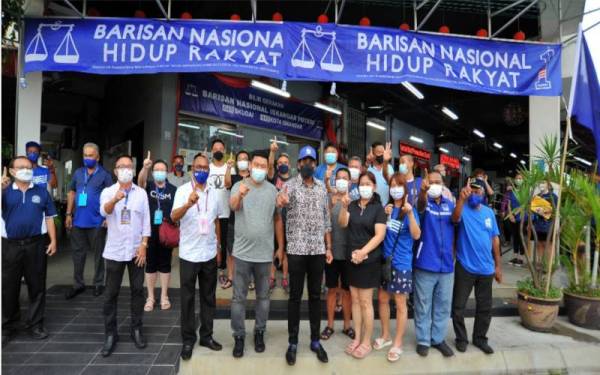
(292, 51)
(230, 98)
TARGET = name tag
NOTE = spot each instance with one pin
(82, 200)
(158, 217)
(125, 216)
(204, 225)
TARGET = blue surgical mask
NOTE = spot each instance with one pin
(475, 200)
(159, 176)
(258, 174)
(283, 168)
(89, 162)
(201, 177)
(403, 169)
(33, 156)
(330, 158)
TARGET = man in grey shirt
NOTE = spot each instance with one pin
(256, 220)
(178, 176)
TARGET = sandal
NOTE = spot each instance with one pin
(394, 354)
(350, 348)
(149, 306)
(362, 351)
(350, 333)
(165, 304)
(227, 284)
(380, 343)
(327, 332)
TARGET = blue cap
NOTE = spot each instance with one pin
(307, 152)
(33, 144)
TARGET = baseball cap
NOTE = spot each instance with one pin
(477, 183)
(33, 144)
(307, 152)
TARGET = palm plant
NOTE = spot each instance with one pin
(592, 198)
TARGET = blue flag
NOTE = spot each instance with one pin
(585, 91)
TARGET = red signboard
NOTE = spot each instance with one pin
(449, 161)
(414, 151)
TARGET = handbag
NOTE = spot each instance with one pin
(387, 264)
(168, 234)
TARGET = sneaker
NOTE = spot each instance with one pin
(520, 263)
(513, 261)
(444, 349)
(484, 347)
(422, 350)
(238, 347)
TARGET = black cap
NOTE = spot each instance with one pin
(477, 183)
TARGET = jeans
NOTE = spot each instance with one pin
(114, 278)
(23, 258)
(243, 273)
(205, 273)
(463, 284)
(312, 266)
(432, 301)
(82, 240)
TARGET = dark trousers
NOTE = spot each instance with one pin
(312, 267)
(224, 229)
(23, 258)
(205, 273)
(463, 284)
(114, 277)
(83, 240)
(516, 238)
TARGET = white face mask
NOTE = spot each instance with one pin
(24, 175)
(242, 165)
(354, 173)
(397, 192)
(366, 192)
(124, 175)
(341, 185)
(435, 191)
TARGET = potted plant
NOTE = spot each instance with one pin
(582, 295)
(538, 300)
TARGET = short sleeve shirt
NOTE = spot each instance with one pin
(160, 198)
(177, 181)
(87, 210)
(398, 241)
(476, 229)
(24, 213)
(41, 176)
(361, 228)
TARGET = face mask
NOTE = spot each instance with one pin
(242, 165)
(397, 192)
(518, 182)
(435, 191)
(307, 171)
(475, 200)
(159, 176)
(330, 158)
(379, 159)
(201, 177)
(354, 173)
(24, 175)
(283, 168)
(403, 169)
(366, 192)
(89, 163)
(179, 167)
(258, 174)
(33, 157)
(218, 155)
(124, 175)
(341, 185)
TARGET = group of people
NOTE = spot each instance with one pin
(361, 227)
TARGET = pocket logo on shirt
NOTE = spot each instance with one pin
(36, 199)
(488, 223)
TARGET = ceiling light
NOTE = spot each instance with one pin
(415, 91)
(230, 133)
(375, 107)
(522, 162)
(498, 145)
(375, 125)
(586, 162)
(327, 108)
(279, 141)
(181, 124)
(478, 133)
(416, 139)
(448, 112)
(466, 158)
(273, 90)
(444, 150)
(513, 155)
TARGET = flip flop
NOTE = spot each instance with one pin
(350, 333)
(327, 332)
(362, 351)
(394, 354)
(350, 348)
(380, 343)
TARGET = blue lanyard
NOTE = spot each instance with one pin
(158, 192)
(88, 178)
(127, 197)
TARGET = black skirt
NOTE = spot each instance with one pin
(364, 275)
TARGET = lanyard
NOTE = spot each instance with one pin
(127, 196)
(158, 192)
(205, 201)
(87, 178)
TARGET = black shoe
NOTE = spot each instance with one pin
(444, 349)
(186, 351)
(484, 347)
(72, 293)
(513, 261)
(259, 341)
(422, 350)
(461, 346)
(38, 333)
(238, 347)
(138, 339)
(211, 344)
(321, 353)
(109, 345)
(290, 355)
(98, 290)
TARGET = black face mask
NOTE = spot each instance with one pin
(218, 156)
(379, 159)
(307, 171)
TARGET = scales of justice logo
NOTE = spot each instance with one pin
(304, 58)
(66, 53)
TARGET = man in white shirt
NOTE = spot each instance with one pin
(125, 207)
(195, 207)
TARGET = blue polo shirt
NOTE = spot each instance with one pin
(322, 169)
(398, 242)
(41, 176)
(435, 252)
(476, 229)
(23, 213)
(88, 216)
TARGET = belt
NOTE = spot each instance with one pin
(25, 241)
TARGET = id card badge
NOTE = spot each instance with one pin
(204, 225)
(82, 200)
(158, 217)
(125, 216)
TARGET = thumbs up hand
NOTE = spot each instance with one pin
(148, 161)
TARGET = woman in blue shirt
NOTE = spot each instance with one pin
(402, 230)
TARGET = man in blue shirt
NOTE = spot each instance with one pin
(330, 168)
(434, 267)
(477, 264)
(45, 175)
(27, 215)
(87, 230)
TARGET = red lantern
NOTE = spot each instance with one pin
(405, 26)
(482, 33)
(235, 17)
(139, 14)
(444, 29)
(365, 21)
(278, 17)
(519, 35)
(93, 12)
(323, 19)
(186, 16)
